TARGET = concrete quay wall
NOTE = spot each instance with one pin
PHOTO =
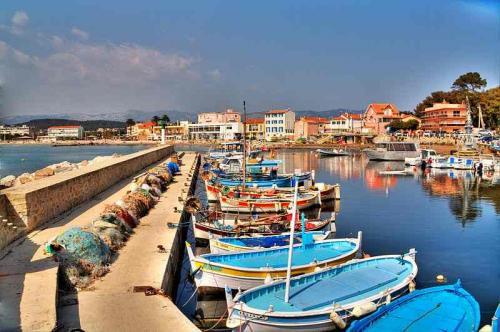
(35, 203)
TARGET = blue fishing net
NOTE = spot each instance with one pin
(84, 246)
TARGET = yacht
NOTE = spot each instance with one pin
(395, 151)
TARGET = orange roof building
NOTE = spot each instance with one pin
(444, 117)
(255, 128)
(309, 126)
(378, 116)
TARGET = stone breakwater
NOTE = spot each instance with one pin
(32, 204)
(65, 166)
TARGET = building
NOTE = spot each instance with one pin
(215, 131)
(310, 127)
(68, 132)
(378, 116)
(141, 131)
(177, 131)
(255, 128)
(228, 115)
(279, 124)
(444, 117)
(23, 130)
(346, 122)
(409, 117)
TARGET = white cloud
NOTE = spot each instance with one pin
(56, 41)
(19, 21)
(215, 74)
(83, 35)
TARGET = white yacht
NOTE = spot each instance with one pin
(394, 151)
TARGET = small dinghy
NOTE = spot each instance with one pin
(441, 308)
(252, 268)
(324, 300)
(333, 153)
(226, 245)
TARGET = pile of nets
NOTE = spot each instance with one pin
(85, 253)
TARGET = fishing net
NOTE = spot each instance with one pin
(122, 213)
(136, 204)
(83, 256)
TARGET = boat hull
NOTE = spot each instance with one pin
(264, 205)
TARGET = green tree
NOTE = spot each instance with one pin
(469, 82)
(130, 122)
(165, 118)
(490, 105)
(411, 125)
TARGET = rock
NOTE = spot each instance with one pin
(83, 163)
(7, 181)
(25, 178)
(44, 172)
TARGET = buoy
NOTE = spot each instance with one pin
(364, 309)
(337, 320)
(440, 278)
(412, 286)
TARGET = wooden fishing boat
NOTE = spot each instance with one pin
(206, 228)
(333, 153)
(327, 191)
(324, 300)
(441, 308)
(226, 245)
(252, 268)
(267, 204)
(262, 181)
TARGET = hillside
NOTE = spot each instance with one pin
(90, 125)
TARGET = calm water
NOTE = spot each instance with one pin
(450, 217)
(18, 159)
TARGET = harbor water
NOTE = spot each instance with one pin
(16, 159)
(451, 217)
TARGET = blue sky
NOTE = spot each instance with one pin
(110, 56)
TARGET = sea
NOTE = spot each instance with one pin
(16, 159)
(452, 219)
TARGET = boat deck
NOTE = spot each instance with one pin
(277, 258)
(321, 290)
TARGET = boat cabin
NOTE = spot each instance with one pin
(396, 146)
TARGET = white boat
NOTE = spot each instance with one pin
(393, 151)
(425, 154)
(333, 153)
(226, 149)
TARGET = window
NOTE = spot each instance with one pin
(281, 129)
(456, 113)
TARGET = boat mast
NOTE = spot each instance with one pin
(290, 247)
(244, 143)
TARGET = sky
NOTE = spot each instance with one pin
(94, 56)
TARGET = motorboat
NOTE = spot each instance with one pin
(393, 151)
(333, 153)
(427, 155)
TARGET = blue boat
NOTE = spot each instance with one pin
(256, 182)
(224, 245)
(494, 320)
(323, 300)
(441, 308)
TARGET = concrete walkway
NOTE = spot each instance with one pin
(28, 278)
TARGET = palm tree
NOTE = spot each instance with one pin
(130, 122)
(155, 119)
(165, 119)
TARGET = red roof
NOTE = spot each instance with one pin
(315, 119)
(355, 116)
(379, 108)
(64, 127)
(146, 124)
(278, 111)
(254, 121)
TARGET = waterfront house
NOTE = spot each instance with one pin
(23, 130)
(310, 127)
(279, 124)
(65, 132)
(409, 117)
(346, 122)
(227, 131)
(378, 116)
(229, 115)
(255, 128)
(444, 117)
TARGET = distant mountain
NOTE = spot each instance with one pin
(43, 124)
(137, 115)
(324, 114)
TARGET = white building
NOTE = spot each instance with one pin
(279, 124)
(23, 130)
(75, 132)
(346, 122)
(215, 131)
